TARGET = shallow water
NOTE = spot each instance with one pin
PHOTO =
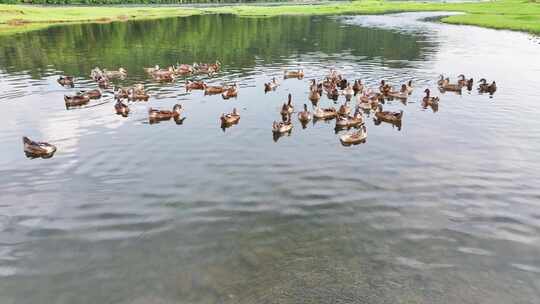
(445, 210)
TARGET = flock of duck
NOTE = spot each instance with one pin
(333, 85)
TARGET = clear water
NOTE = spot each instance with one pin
(446, 210)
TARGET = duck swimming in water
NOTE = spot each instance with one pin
(271, 86)
(35, 149)
(66, 81)
(304, 116)
(230, 118)
(430, 100)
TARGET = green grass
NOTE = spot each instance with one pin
(520, 15)
(21, 18)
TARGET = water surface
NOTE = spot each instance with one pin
(445, 210)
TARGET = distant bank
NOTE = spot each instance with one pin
(519, 15)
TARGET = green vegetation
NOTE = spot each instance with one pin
(521, 15)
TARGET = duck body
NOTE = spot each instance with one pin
(348, 92)
(344, 110)
(152, 69)
(281, 127)
(103, 82)
(314, 96)
(403, 94)
(157, 115)
(164, 75)
(213, 90)
(195, 85)
(409, 87)
(92, 94)
(288, 107)
(358, 87)
(35, 149)
(385, 88)
(350, 121)
(76, 100)
(271, 86)
(230, 92)
(183, 69)
(355, 137)
(66, 81)
(121, 73)
(430, 100)
(325, 113)
(388, 116)
(450, 87)
(304, 116)
(484, 87)
(207, 68)
(230, 119)
(293, 74)
(121, 108)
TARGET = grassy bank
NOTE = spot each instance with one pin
(521, 15)
(21, 18)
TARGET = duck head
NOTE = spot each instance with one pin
(177, 108)
(427, 91)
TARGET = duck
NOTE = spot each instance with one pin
(348, 92)
(152, 69)
(287, 107)
(430, 100)
(304, 116)
(451, 87)
(230, 119)
(333, 75)
(96, 73)
(483, 87)
(388, 116)
(293, 74)
(342, 84)
(207, 68)
(358, 87)
(103, 82)
(368, 97)
(333, 94)
(212, 90)
(385, 88)
(120, 73)
(232, 91)
(355, 137)
(347, 121)
(325, 113)
(183, 69)
(281, 127)
(401, 94)
(409, 87)
(164, 75)
(441, 80)
(121, 108)
(344, 109)
(272, 85)
(155, 114)
(76, 100)
(195, 85)
(137, 95)
(92, 94)
(461, 80)
(35, 149)
(314, 95)
(66, 81)
(469, 84)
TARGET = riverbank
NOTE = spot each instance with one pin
(520, 15)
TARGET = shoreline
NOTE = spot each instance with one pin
(517, 15)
